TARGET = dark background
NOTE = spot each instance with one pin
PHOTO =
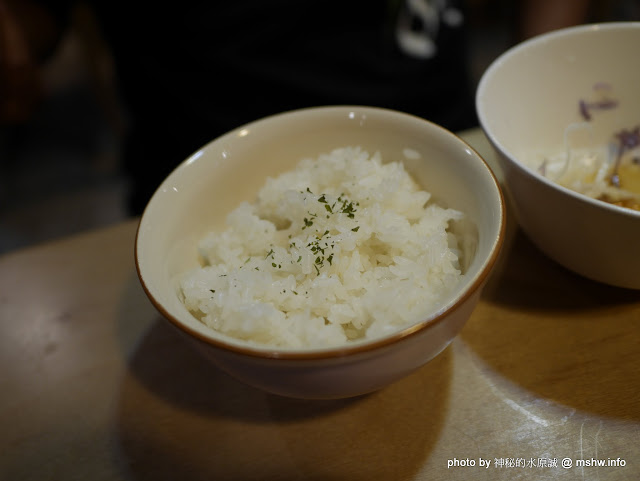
(60, 172)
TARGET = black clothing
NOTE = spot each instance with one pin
(193, 70)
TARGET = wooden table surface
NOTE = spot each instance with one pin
(96, 386)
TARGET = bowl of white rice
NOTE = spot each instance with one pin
(324, 252)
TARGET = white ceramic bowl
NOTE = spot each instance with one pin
(200, 192)
(525, 100)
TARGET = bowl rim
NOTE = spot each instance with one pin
(342, 350)
(506, 153)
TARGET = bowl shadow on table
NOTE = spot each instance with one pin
(179, 417)
(564, 337)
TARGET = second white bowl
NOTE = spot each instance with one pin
(526, 100)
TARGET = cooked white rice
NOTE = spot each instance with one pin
(341, 248)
